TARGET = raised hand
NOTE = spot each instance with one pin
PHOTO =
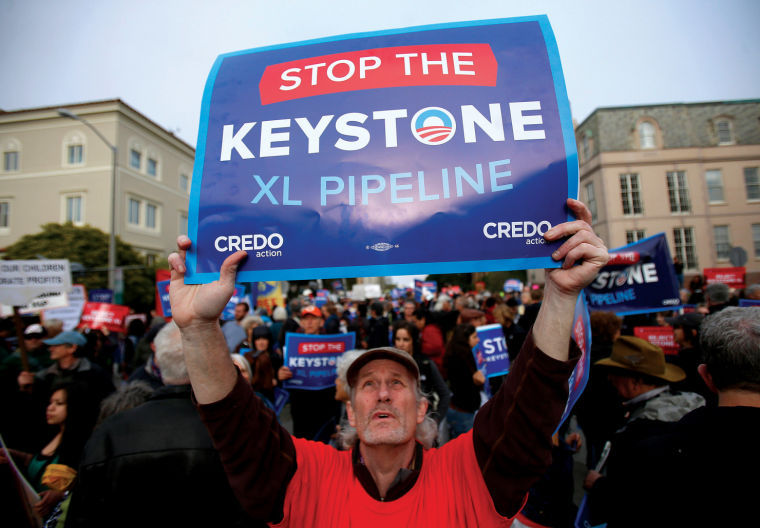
(200, 303)
(583, 248)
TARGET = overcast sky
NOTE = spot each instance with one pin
(155, 55)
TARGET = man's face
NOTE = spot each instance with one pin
(384, 409)
(240, 312)
(61, 351)
(311, 324)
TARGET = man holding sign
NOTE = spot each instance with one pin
(479, 479)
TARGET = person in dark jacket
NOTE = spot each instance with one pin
(700, 472)
(465, 380)
(155, 464)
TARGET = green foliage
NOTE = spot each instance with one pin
(88, 246)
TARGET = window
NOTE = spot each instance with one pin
(135, 159)
(591, 200)
(143, 214)
(10, 161)
(182, 223)
(684, 246)
(586, 148)
(756, 239)
(752, 183)
(724, 132)
(75, 154)
(133, 212)
(647, 135)
(5, 215)
(150, 216)
(678, 192)
(152, 167)
(722, 242)
(630, 194)
(714, 179)
(72, 208)
(634, 235)
(184, 182)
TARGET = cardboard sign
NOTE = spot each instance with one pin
(71, 314)
(638, 278)
(661, 336)
(104, 315)
(313, 359)
(23, 280)
(366, 155)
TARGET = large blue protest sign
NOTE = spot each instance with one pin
(313, 359)
(436, 149)
(638, 278)
(491, 352)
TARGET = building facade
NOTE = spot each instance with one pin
(691, 171)
(56, 169)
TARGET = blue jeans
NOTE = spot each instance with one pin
(459, 421)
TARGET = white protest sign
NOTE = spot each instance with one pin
(23, 280)
(70, 314)
(45, 301)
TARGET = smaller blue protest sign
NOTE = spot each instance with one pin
(748, 302)
(513, 285)
(424, 289)
(491, 351)
(163, 294)
(320, 299)
(281, 397)
(239, 296)
(313, 359)
(100, 296)
(582, 337)
(638, 278)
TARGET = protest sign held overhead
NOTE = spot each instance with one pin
(162, 289)
(368, 154)
(638, 278)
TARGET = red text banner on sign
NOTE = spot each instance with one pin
(424, 65)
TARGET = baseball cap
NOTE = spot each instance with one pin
(70, 337)
(394, 354)
(688, 320)
(311, 310)
(641, 356)
(34, 330)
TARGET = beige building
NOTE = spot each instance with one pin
(57, 169)
(688, 170)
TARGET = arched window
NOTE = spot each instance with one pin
(647, 135)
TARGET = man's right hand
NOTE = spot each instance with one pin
(200, 303)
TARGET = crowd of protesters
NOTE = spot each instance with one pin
(129, 395)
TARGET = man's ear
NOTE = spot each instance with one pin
(422, 408)
(350, 414)
(707, 377)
